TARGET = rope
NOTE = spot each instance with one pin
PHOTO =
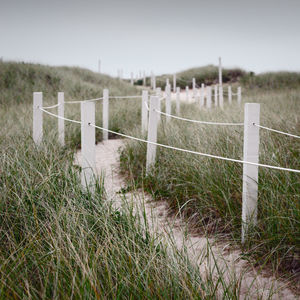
(194, 152)
(52, 106)
(176, 148)
(274, 130)
(199, 122)
(124, 97)
(59, 117)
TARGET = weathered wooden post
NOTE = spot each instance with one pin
(220, 72)
(194, 88)
(61, 122)
(202, 95)
(208, 97)
(168, 101)
(144, 111)
(216, 95)
(178, 100)
(221, 99)
(229, 95)
(105, 114)
(187, 93)
(152, 133)
(87, 144)
(174, 83)
(239, 95)
(250, 172)
(37, 128)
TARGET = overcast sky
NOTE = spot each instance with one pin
(159, 35)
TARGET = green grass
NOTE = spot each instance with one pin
(211, 190)
(58, 241)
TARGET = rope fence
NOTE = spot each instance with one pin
(150, 117)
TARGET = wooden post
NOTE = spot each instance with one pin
(202, 95)
(174, 83)
(220, 72)
(187, 93)
(250, 172)
(144, 78)
(221, 100)
(239, 95)
(61, 122)
(99, 66)
(154, 82)
(208, 99)
(168, 101)
(152, 133)
(167, 81)
(105, 114)
(87, 144)
(131, 78)
(194, 88)
(144, 111)
(37, 128)
(229, 95)
(159, 94)
(216, 95)
(178, 101)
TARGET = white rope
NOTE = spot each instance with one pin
(124, 97)
(199, 122)
(59, 117)
(274, 130)
(52, 106)
(194, 152)
(175, 148)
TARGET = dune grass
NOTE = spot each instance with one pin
(210, 191)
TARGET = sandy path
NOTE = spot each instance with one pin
(173, 231)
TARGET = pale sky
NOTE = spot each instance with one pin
(159, 35)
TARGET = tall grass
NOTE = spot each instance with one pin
(210, 191)
(60, 242)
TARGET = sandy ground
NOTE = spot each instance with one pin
(173, 231)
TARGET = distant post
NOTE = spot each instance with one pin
(187, 93)
(144, 111)
(229, 95)
(221, 99)
(208, 97)
(168, 101)
(239, 95)
(152, 133)
(178, 100)
(105, 114)
(61, 122)
(250, 172)
(37, 129)
(87, 144)
(220, 72)
(216, 95)
(144, 78)
(202, 95)
(194, 88)
(174, 83)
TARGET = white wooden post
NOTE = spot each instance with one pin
(229, 95)
(187, 93)
(154, 82)
(159, 94)
(144, 111)
(167, 81)
(208, 100)
(239, 95)
(144, 78)
(216, 95)
(99, 66)
(87, 144)
(221, 100)
(174, 83)
(168, 101)
(131, 78)
(250, 172)
(61, 122)
(194, 88)
(152, 133)
(202, 95)
(105, 114)
(220, 72)
(37, 128)
(178, 100)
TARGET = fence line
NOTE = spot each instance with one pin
(251, 140)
